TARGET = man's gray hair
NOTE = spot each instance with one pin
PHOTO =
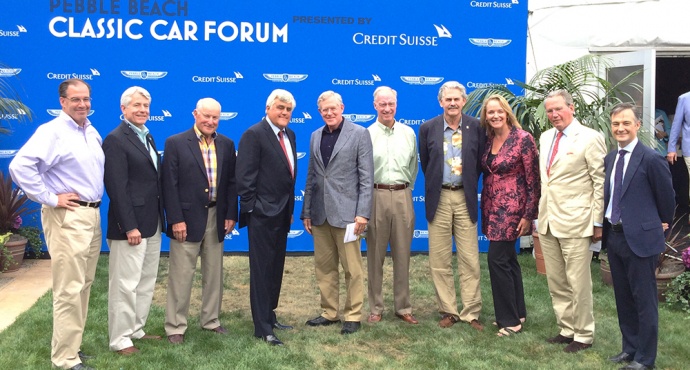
(282, 95)
(327, 95)
(126, 97)
(452, 85)
(385, 88)
(563, 94)
(205, 102)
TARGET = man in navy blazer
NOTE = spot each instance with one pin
(135, 220)
(450, 146)
(340, 185)
(266, 169)
(200, 200)
(639, 207)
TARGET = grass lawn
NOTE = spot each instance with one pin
(390, 344)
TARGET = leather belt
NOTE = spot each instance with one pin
(391, 187)
(617, 228)
(211, 204)
(88, 204)
(451, 187)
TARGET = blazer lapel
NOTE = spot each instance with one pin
(133, 138)
(193, 143)
(343, 138)
(275, 143)
(316, 147)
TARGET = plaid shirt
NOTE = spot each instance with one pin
(208, 152)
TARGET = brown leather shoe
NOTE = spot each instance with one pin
(407, 317)
(374, 318)
(219, 329)
(176, 338)
(128, 351)
(447, 321)
(476, 325)
(559, 339)
(576, 346)
(151, 337)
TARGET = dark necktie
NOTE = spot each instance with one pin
(553, 152)
(617, 188)
(282, 145)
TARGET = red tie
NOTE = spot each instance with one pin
(553, 152)
(282, 145)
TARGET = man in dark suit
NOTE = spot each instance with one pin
(639, 203)
(450, 147)
(266, 169)
(135, 219)
(201, 208)
(340, 184)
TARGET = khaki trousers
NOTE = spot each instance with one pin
(569, 276)
(686, 159)
(183, 258)
(132, 275)
(453, 220)
(392, 220)
(74, 243)
(329, 248)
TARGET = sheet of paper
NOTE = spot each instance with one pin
(595, 247)
(350, 233)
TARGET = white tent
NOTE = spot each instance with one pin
(561, 30)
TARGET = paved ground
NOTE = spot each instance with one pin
(21, 289)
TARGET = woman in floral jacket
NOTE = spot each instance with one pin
(509, 203)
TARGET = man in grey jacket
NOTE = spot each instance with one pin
(338, 192)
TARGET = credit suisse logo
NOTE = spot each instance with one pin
(494, 4)
(403, 39)
(300, 198)
(303, 119)
(218, 79)
(234, 232)
(480, 85)
(13, 116)
(144, 75)
(13, 33)
(411, 122)
(285, 77)
(67, 76)
(356, 81)
(154, 118)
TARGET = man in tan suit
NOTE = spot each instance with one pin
(571, 211)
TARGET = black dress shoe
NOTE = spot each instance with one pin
(321, 321)
(81, 366)
(350, 327)
(83, 356)
(279, 326)
(559, 339)
(272, 340)
(621, 357)
(636, 366)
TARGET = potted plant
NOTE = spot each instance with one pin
(13, 237)
(678, 293)
(594, 97)
(670, 261)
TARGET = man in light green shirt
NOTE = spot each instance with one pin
(392, 213)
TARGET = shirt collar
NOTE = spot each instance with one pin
(275, 128)
(445, 124)
(69, 120)
(199, 135)
(630, 147)
(340, 126)
(143, 131)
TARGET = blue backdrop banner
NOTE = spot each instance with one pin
(238, 52)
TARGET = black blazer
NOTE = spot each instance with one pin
(185, 185)
(133, 185)
(431, 158)
(264, 182)
(647, 200)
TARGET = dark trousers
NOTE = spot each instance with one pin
(634, 286)
(267, 244)
(506, 283)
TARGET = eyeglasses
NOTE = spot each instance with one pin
(383, 105)
(79, 100)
